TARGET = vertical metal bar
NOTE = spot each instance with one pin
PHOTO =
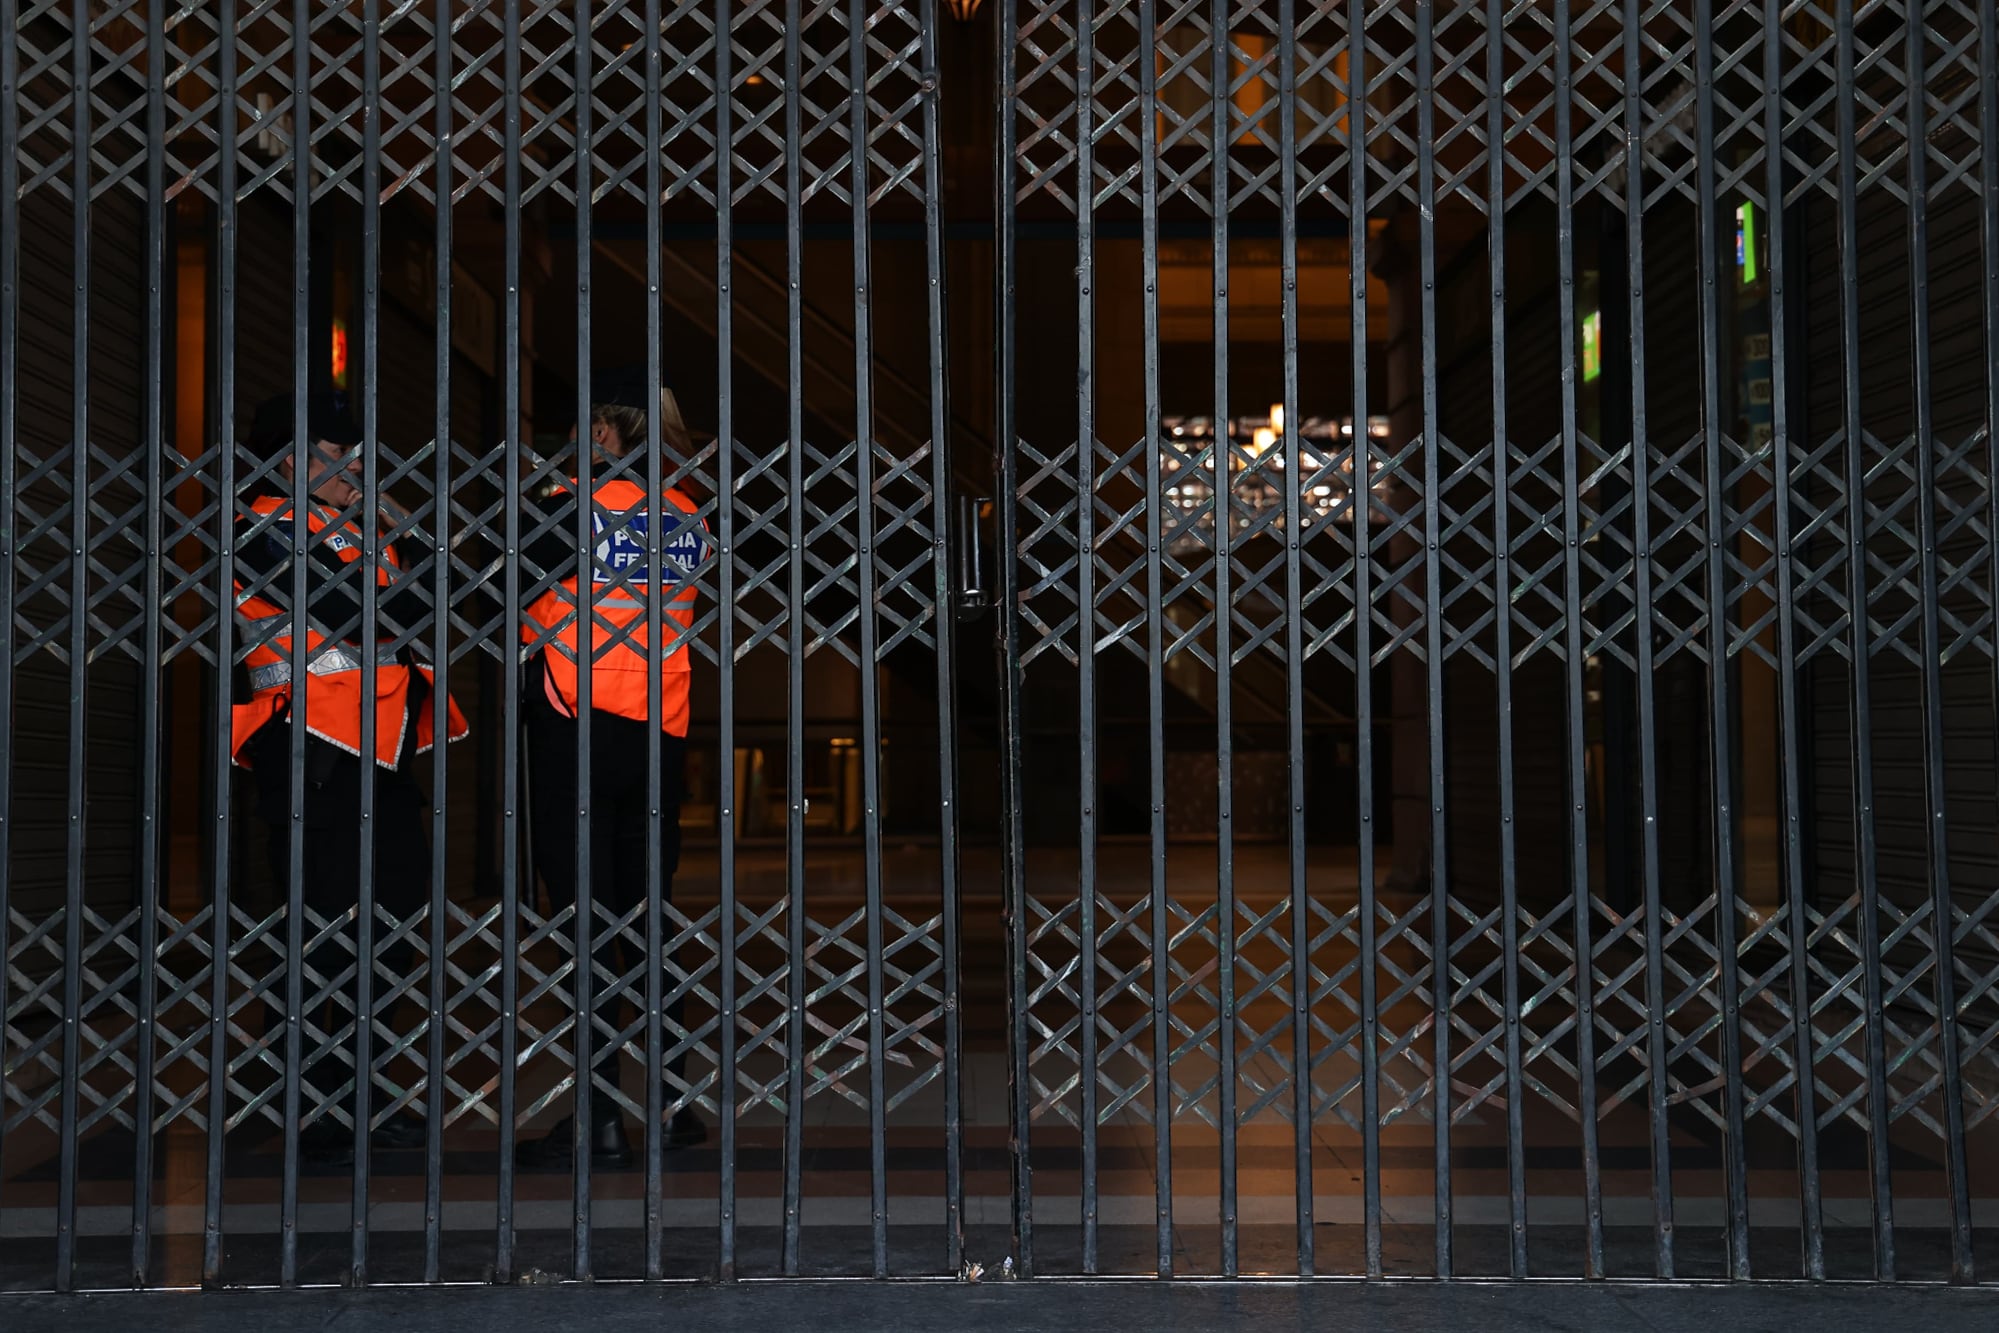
(1988, 160)
(1502, 545)
(1361, 496)
(1721, 739)
(1657, 1049)
(1086, 613)
(946, 624)
(435, 1084)
(794, 644)
(509, 653)
(1006, 464)
(1861, 653)
(1573, 655)
(81, 156)
(1294, 629)
(1223, 501)
(10, 389)
(221, 764)
(1155, 650)
(1791, 735)
(864, 512)
(371, 562)
(300, 150)
(1433, 627)
(655, 956)
(582, 1042)
(152, 680)
(1943, 923)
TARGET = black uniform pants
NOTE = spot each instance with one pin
(332, 880)
(619, 818)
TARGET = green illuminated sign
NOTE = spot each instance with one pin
(1592, 346)
(1745, 241)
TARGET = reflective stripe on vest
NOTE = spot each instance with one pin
(326, 661)
(561, 633)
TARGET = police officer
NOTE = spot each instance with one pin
(621, 664)
(269, 705)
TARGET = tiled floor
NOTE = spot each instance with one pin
(837, 1307)
(836, 1166)
(836, 1180)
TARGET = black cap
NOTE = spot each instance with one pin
(622, 386)
(328, 416)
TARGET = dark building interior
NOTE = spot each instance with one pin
(1537, 388)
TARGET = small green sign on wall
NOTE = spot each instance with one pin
(1745, 241)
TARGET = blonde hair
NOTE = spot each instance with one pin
(633, 427)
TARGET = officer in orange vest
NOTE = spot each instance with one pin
(621, 664)
(268, 705)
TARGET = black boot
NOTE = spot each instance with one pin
(402, 1131)
(556, 1150)
(328, 1143)
(685, 1130)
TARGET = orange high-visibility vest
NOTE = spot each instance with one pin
(333, 701)
(618, 664)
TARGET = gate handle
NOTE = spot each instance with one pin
(974, 596)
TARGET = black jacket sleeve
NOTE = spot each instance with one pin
(332, 589)
(554, 550)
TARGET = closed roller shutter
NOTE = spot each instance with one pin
(1959, 366)
(39, 748)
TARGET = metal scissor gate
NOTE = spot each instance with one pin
(1402, 681)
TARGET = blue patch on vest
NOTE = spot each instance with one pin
(621, 550)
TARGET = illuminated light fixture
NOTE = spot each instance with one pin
(339, 364)
(1592, 346)
(1258, 451)
(964, 10)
